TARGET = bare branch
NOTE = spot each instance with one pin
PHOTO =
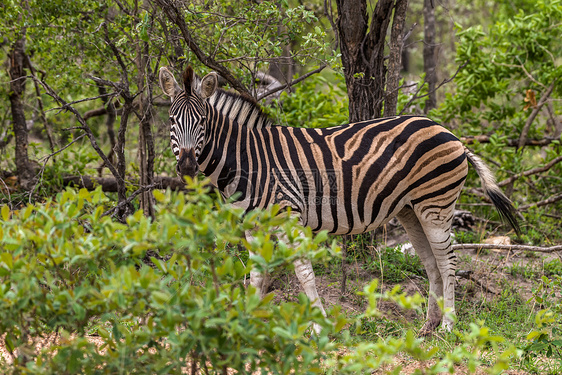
(174, 14)
(109, 184)
(47, 157)
(128, 201)
(82, 122)
(479, 246)
(444, 82)
(470, 276)
(510, 142)
(530, 172)
(545, 202)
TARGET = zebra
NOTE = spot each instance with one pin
(345, 179)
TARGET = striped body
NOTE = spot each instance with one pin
(345, 179)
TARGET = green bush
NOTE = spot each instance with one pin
(63, 266)
(67, 270)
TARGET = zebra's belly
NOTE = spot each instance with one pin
(345, 218)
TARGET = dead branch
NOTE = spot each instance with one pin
(113, 211)
(530, 172)
(109, 184)
(46, 124)
(510, 142)
(174, 14)
(480, 246)
(103, 111)
(545, 202)
(95, 113)
(444, 82)
(82, 122)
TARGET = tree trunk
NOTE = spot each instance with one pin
(429, 57)
(17, 87)
(362, 48)
(395, 59)
(146, 141)
(110, 111)
(46, 125)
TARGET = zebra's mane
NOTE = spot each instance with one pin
(240, 108)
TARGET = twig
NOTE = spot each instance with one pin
(48, 128)
(130, 198)
(46, 160)
(545, 202)
(85, 127)
(530, 172)
(509, 142)
(445, 81)
(175, 15)
(478, 246)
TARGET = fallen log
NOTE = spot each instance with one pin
(109, 184)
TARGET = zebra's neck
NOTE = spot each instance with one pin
(239, 109)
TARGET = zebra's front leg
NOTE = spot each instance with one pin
(257, 279)
(305, 274)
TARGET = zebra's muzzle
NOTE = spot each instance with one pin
(187, 163)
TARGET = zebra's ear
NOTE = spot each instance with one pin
(168, 83)
(209, 85)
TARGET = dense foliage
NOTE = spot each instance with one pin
(167, 296)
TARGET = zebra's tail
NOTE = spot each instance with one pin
(492, 190)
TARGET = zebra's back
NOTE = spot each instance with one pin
(353, 178)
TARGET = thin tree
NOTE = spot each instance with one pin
(17, 60)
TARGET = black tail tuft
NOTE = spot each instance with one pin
(505, 209)
(501, 202)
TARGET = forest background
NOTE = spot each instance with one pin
(100, 239)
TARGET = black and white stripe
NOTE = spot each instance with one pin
(346, 179)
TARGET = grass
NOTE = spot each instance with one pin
(509, 315)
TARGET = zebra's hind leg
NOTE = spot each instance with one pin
(417, 236)
(437, 227)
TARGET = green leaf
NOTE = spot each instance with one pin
(5, 212)
(7, 259)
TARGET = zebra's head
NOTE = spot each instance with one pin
(188, 116)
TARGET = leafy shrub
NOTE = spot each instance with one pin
(65, 268)
(64, 264)
(546, 339)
